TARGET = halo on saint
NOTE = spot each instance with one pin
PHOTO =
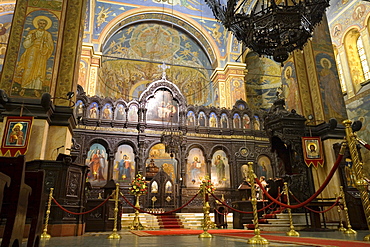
(42, 17)
(19, 125)
(313, 144)
(322, 62)
(288, 69)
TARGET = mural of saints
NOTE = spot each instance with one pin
(98, 163)
(196, 168)
(220, 169)
(33, 74)
(124, 164)
(163, 160)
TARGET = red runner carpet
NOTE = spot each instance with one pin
(184, 232)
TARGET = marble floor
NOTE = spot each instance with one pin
(129, 239)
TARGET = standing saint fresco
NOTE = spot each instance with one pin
(39, 47)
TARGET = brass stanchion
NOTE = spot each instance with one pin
(256, 239)
(44, 234)
(361, 183)
(291, 232)
(207, 223)
(340, 227)
(114, 234)
(136, 225)
(349, 227)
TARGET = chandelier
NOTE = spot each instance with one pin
(172, 138)
(272, 28)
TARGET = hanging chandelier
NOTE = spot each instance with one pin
(272, 28)
(172, 138)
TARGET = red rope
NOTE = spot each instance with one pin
(327, 180)
(168, 212)
(224, 214)
(70, 212)
(367, 146)
(243, 212)
(318, 212)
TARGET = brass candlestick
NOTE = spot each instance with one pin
(44, 234)
(136, 225)
(256, 239)
(361, 183)
(340, 227)
(291, 232)
(207, 223)
(114, 234)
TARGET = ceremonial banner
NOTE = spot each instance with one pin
(312, 151)
(16, 136)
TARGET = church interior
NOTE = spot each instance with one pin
(118, 114)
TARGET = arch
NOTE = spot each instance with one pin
(177, 19)
(353, 57)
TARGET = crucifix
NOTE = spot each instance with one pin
(164, 67)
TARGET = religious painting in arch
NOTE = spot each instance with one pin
(213, 120)
(79, 108)
(195, 168)
(202, 119)
(93, 110)
(264, 167)
(162, 108)
(220, 169)
(256, 123)
(107, 112)
(190, 118)
(35, 60)
(158, 158)
(290, 88)
(132, 115)
(246, 122)
(124, 164)
(97, 160)
(120, 113)
(236, 121)
(224, 121)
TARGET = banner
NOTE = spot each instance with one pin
(312, 151)
(16, 136)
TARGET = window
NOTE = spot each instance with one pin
(361, 53)
(340, 73)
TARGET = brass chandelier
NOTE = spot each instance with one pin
(172, 138)
(272, 28)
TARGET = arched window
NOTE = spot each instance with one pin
(364, 63)
(340, 73)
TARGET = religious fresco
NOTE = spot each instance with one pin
(264, 167)
(236, 121)
(82, 72)
(190, 118)
(124, 164)
(5, 25)
(213, 120)
(93, 110)
(262, 81)
(120, 113)
(133, 57)
(50, 4)
(329, 82)
(237, 89)
(163, 160)
(246, 123)
(132, 115)
(202, 119)
(162, 108)
(290, 88)
(79, 108)
(107, 112)
(359, 109)
(195, 168)
(36, 55)
(224, 121)
(220, 169)
(97, 160)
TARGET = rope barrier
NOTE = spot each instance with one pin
(70, 212)
(363, 143)
(240, 211)
(327, 180)
(168, 212)
(315, 211)
(224, 214)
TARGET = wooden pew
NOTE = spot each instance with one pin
(15, 201)
(36, 206)
(4, 180)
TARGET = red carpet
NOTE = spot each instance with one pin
(185, 232)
